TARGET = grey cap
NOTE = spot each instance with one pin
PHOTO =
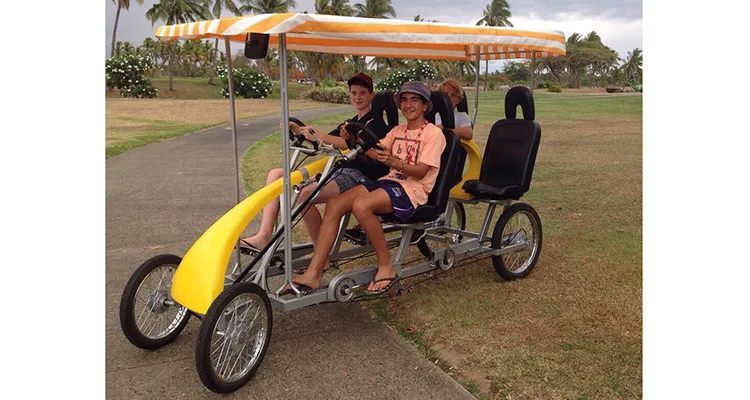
(417, 88)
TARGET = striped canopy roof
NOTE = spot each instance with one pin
(377, 37)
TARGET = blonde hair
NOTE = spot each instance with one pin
(453, 83)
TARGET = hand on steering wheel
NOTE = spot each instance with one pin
(298, 137)
(362, 134)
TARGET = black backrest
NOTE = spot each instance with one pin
(513, 143)
(383, 102)
(463, 104)
(441, 103)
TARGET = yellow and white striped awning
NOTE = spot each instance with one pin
(377, 37)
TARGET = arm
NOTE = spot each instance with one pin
(325, 137)
(464, 132)
(416, 171)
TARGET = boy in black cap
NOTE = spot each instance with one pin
(360, 97)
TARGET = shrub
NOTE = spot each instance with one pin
(420, 71)
(612, 89)
(554, 87)
(249, 82)
(128, 73)
(491, 85)
(336, 94)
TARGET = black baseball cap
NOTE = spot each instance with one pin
(361, 79)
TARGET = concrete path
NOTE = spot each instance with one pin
(160, 198)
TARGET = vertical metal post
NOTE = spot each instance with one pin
(476, 90)
(234, 142)
(286, 206)
(533, 67)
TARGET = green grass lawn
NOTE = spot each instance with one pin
(572, 329)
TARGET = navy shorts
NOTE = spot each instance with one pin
(402, 207)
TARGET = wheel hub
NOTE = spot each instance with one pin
(157, 301)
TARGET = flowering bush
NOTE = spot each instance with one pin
(248, 82)
(128, 73)
(419, 71)
(336, 94)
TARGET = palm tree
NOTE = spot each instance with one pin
(177, 12)
(120, 4)
(333, 7)
(267, 6)
(375, 9)
(633, 66)
(218, 5)
(495, 14)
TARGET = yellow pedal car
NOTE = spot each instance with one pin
(234, 300)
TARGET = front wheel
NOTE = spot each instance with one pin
(149, 317)
(520, 229)
(233, 337)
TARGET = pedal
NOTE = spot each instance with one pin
(355, 236)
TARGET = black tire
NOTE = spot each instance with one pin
(518, 223)
(459, 215)
(218, 324)
(138, 332)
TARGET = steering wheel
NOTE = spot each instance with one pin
(299, 138)
(367, 137)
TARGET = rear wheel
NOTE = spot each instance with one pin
(518, 228)
(233, 337)
(149, 317)
(457, 221)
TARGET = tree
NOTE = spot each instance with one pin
(333, 7)
(517, 71)
(496, 13)
(120, 4)
(267, 6)
(584, 55)
(633, 67)
(174, 12)
(375, 9)
(216, 9)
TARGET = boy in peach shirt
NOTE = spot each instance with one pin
(412, 151)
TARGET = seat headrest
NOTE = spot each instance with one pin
(519, 96)
(441, 103)
(383, 102)
(463, 104)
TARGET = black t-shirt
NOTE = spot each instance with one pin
(371, 168)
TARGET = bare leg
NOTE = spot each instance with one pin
(335, 209)
(364, 209)
(270, 211)
(312, 217)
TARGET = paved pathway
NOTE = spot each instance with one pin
(160, 198)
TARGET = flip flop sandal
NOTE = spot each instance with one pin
(248, 249)
(391, 280)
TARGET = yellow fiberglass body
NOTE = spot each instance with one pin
(200, 276)
(474, 159)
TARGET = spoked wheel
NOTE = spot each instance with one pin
(148, 316)
(519, 227)
(233, 337)
(458, 221)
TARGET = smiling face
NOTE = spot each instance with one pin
(360, 97)
(412, 106)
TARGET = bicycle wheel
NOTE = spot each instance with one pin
(149, 317)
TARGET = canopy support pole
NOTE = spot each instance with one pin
(533, 67)
(286, 193)
(476, 90)
(234, 143)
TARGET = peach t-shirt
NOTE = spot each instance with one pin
(427, 150)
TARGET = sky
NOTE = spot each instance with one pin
(618, 23)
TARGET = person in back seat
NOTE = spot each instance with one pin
(412, 151)
(453, 89)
